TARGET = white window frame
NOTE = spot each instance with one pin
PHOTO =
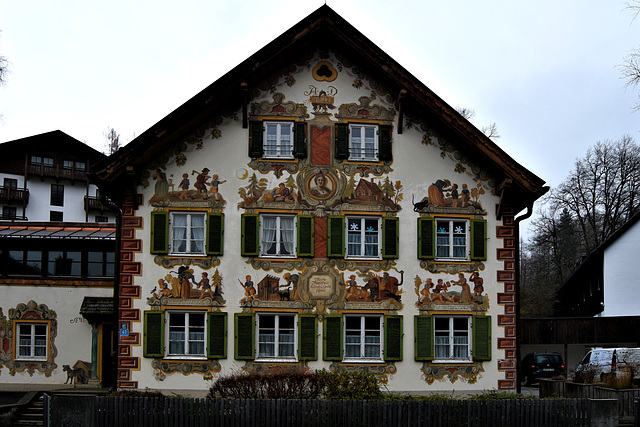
(276, 342)
(363, 234)
(451, 235)
(278, 147)
(362, 339)
(187, 331)
(452, 333)
(189, 237)
(29, 341)
(363, 150)
(279, 237)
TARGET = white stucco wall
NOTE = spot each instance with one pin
(621, 285)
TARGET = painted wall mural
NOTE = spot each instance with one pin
(444, 194)
(205, 187)
(437, 293)
(185, 284)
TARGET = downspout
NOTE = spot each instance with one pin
(517, 266)
(116, 290)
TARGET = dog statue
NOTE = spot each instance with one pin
(76, 375)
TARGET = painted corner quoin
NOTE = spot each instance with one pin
(321, 212)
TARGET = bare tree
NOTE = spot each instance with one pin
(113, 141)
(491, 131)
(631, 63)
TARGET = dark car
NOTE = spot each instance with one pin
(542, 365)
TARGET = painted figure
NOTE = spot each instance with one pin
(478, 283)
(213, 186)
(162, 186)
(436, 195)
(389, 286)
(184, 186)
(319, 188)
(465, 195)
(425, 293)
(201, 180)
(373, 286)
(465, 294)
(204, 284)
(249, 290)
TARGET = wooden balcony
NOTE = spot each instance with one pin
(93, 203)
(8, 194)
(57, 172)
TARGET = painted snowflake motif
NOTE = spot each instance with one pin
(354, 226)
(370, 228)
(442, 230)
(459, 230)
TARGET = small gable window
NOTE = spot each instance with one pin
(363, 142)
(277, 139)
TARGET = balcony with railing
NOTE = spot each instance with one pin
(12, 194)
(57, 171)
(93, 203)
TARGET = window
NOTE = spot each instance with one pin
(186, 334)
(452, 338)
(100, 263)
(21, 262)
(363, 142)
(363, 237)
(11, 183)
(65, 263)
(193, 334)
(47, 161)
(270, 337)
(444, 239)
(67, 164)
(278, 140)
(277, 236)
(31, 341)
(197, 233)
(451, 239)
(9, 212)
(363, 338)
(55, 216)
(36, 160)
(101, 218)
(187, 233)
(276, 336)
(70, 164)
(282, 236)
(57, 195)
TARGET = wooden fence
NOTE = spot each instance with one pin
(183, 412)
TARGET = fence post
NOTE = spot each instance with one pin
(603, 412)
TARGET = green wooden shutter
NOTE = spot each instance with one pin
(153, 335)
(307, 337)
(332, 337)
(215, 233)
(384, 141)
(159, 232)
(478, 239)
(300, 140)
(255, 138)
(426, 238)
(217, 335)
(342, 141)
(423, 337)
(390, 238)
(305, 235)
(250, 245)
(244, 336)
(482, 337)
(392, 337)
(335, 236)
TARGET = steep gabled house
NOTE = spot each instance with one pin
(57, 263)
(245, 247)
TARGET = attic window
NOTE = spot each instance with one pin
(324, 72)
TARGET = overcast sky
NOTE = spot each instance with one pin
(545, 71)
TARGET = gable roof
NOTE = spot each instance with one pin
(322, 28)
(50, 143)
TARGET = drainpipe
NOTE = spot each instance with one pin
(116, 290)
(517, 266)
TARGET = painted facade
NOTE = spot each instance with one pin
(317, 213)
(57, 263)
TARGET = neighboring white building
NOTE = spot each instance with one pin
(45, 178)
(57, 263)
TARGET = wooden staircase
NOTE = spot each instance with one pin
(31, 414)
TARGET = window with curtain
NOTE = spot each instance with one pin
(187, 334)
(276, 336)
(452, 239)
(278, 140)
(363, 142)
(363, 237)
(32, 341)
(363, 338)
(452, 338)
(278, 236)
(188, 233)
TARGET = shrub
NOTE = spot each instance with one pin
(343, 384)
(498, 395)
(136, 393)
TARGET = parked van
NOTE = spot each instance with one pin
(598, 363)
